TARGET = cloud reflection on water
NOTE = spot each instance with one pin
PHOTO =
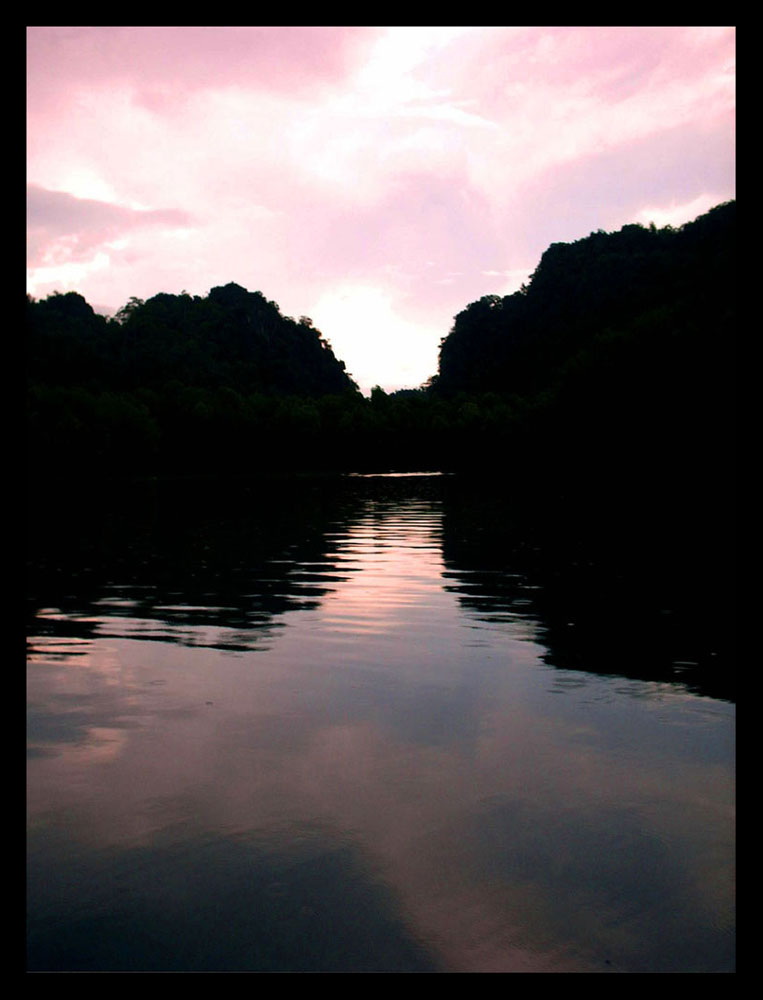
(487, 815)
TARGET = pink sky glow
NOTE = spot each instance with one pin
(377, 180)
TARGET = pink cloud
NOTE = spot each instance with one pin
(77, 226)
(495, 67)
(165, 62)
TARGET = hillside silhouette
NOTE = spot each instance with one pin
(617, 356)
(619, 352)
(175, 381)
(232, 338)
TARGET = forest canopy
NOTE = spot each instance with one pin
(615, 360)
(232, 338)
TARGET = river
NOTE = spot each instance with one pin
(360, 725)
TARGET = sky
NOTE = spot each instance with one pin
(375, 179)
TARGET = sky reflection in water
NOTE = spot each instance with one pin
(354, 766)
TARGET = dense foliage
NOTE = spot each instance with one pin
(613, 365)
(177, 381)
(619, 352)
(232, 338)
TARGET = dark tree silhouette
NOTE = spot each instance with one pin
(615, 361)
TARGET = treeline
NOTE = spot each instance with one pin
(178, 381)
(618, 356)
(615, 364)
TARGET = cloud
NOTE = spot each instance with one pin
(68, 228)
(561, 95)
(166, 63)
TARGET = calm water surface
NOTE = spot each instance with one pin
(332, 727)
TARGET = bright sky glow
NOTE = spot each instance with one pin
(377, 180)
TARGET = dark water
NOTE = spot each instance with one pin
(366, 725)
